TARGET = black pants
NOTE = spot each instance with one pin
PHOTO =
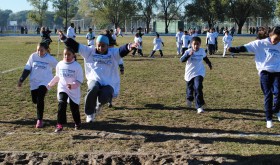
(139, 51)
(62, 106)
(38, 97)
(153, 52)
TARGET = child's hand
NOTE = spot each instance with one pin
(61, 35)
(133, 45)
(69, 86)
(19, 84)
(122, 72)
(191, 53)
(210, 67)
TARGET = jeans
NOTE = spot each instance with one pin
(270, 85)
(195, 86)
(38, 97)
(62, 106)
(96, 92)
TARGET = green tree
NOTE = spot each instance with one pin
(209, 11)
(4, 15)
(170, 10)
(240, 10)
(38, 15)
(65, 9)
(113, 11)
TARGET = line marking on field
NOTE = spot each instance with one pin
(10, 70)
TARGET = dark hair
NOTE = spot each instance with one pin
(69, 49)
(157, 34)
(45, 46)
(262, 33)
(89, 29)
(197, 39)
(275, 30)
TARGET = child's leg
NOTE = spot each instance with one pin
(34, 95)
(190, 90)
(152, 53)
(75, 112)
(224, 53)
(91, 97)
(41, 93)
(198, 86)
(160, 52)
(178, 48)
(62, 105)
(134, 51)
(266, 86)
(140, 52)
(276, 93)
(105, 94)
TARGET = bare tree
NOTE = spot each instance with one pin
(170, 10)
(146, 7)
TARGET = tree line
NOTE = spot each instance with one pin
(105, 13)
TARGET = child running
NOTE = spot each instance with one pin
(267, 58)
(195, 73)
(227, 40)
(211, 41)
(157, 46)
(138, 41)
(39, 65)
(69, 76)
(90, 37)
(100, 69)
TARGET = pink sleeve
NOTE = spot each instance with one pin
(53, 81)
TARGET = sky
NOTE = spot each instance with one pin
(16, 5)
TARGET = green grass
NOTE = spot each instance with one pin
(150, 114)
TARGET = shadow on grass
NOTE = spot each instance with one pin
(29, 122)
(169, 133)
(151, 107)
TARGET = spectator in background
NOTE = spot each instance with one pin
(71, 31)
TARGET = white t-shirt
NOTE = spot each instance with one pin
(179, 36)
(211, 38)
(71, 32)
(90, 37)
(194, 65)
(185, 39)
(69, 73)
(227, 40)
(267, 55)
(101, 68)
(138, 40)
(41, 69)
(157, 43)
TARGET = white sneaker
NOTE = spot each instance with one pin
(90, 118)
(200, 110)
(189, 103)
(269, 124)
(278, 115)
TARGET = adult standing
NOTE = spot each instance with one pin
(71, 31)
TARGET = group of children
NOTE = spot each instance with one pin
(101, 63)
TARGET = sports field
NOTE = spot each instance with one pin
(149, 123)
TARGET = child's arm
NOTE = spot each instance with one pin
(121, 66)
(24, 75)
(53, 82)
(237, 49)
(186, 56)
(208, 62)
(75, 85)
(162, 43)
(125, 49)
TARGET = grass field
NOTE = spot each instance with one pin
(150, 114)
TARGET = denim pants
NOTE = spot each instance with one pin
(62, 106)
(97, 92)
(194, 86)
(38, 97)
(270, 85)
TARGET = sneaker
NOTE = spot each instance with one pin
(269, 124)
(59, 128)
(278, 116)
(90, 118)
(110, 105)
(200, 110)
(77, 126)
(39, 124)
(189, 103)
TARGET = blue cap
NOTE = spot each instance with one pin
(103, 38)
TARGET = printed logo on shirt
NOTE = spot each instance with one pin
(40, 65)
(272, 52)
(102, 59)
(66, 73)
(197, 57)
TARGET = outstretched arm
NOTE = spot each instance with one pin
(237, 49)
(69, 42)
(125, 49)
